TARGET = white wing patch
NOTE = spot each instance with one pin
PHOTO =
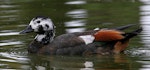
(87, 38)
(97, 29)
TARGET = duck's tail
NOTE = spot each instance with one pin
(124, 27)
(132, 34)
(121, 45)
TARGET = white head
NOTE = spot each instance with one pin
(44, 28)
(40, 25)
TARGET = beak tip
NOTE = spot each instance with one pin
(21, 32)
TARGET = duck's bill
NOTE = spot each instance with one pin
(28, 29)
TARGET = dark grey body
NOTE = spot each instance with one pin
(71, 44)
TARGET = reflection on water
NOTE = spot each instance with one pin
(70, 30)
(8, 6)
(88, 64)
(145, 12)
(117, 62)
(8, 34)
(80, 13)
(78, 2)
(13, 58)
(144, 20)
(77, 14)
(75, 23)
(72, 16)
(10, 43)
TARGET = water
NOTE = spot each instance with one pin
(73, 16)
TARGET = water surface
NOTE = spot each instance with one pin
(73, 16)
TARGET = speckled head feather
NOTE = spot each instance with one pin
(41, 24)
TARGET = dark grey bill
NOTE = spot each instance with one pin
(27, 30)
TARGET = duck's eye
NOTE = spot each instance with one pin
(38, 21)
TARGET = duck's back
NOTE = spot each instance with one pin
(71, 43)
(71, 39)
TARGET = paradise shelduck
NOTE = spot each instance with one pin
(100, 41)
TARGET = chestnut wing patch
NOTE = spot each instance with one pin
(108, 35)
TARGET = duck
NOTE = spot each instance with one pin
(102, 41)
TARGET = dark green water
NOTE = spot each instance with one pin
(73, 16)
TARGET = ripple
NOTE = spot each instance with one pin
(145, 18)
(40, 68)
(145, 13)
(8, 34)
(10, 43)
(75, 23)
(71, 30)
(10, 11)
(13, 58)
(88, 64)
(6, 60)
(145, 8)
(9, 69)
(8, 6)
(79, 13)
(9, 16)
(145, 1)
(76, 2)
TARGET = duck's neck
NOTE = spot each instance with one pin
(40, 41)
(46, 37)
